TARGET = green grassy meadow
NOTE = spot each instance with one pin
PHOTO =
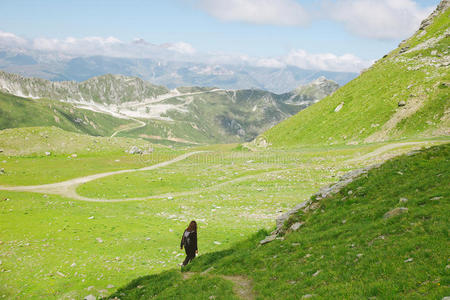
(55, 247)
(346, 248)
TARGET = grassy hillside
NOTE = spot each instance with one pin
(346, 247)
(368, 109)
(16, 112)
(220, 116)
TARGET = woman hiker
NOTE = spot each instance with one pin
(189, 242)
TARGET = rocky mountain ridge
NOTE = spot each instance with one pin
(195, 114)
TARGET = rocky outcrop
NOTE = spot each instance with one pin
(439, 9)
(313, 202)
(106, 89)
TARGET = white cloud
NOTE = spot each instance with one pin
(380, 19)
(180, 47)
(274, 12)
(326, 61)
(111, 46)
(11, 40)
(180, 51)
(268, 63)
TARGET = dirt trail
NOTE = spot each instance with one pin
(242, 286)
(141, 124)
(68, 188)
(385, 148)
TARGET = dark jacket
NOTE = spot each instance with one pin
(192, 246)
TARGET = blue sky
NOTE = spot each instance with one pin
(366, 29)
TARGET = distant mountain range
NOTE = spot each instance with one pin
(58, 67)
(103, 105)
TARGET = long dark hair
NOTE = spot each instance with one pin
(192, 227)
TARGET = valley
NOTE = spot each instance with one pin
(136, 108)
(299, 191)
(82, 247)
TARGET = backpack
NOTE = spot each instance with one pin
(187, 240)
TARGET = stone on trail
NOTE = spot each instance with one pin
(395, 212)
(401, 103)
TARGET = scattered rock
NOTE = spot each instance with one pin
(401, 103)
(135, 150)
(48, 153)
(339, 107)
(436, 198)
(344, 221)
(403, 200)
(73, 265)
(99, 240)
(74, 155)
(268, 239)
(434, 52)
(404, 49)
(110, 286)
(408, 260)
(170, 198)
(359, 255)
(90, 297)
(90, 287)
(91, 217)
(296, 226)
(60, 274)
(317, 273)
(307, 296)
(446, 298)
(395, 212)
(1, 150)
(148, 239)
(217, 243)
(2, 170)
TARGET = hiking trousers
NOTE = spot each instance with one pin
(190, 255)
